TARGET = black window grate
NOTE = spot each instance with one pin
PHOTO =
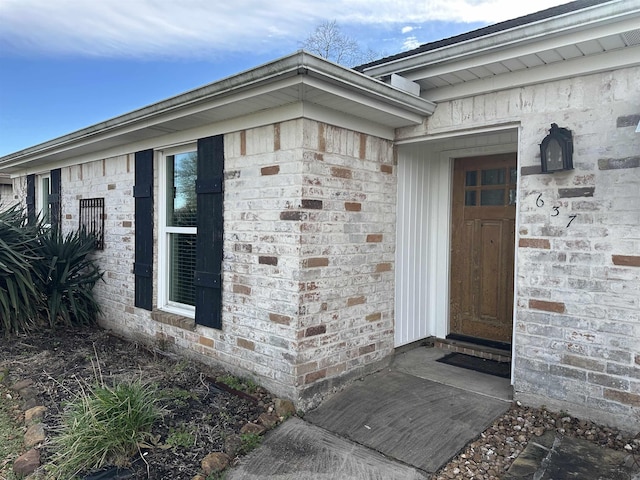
(92, 219)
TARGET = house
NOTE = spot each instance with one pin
(300, 221)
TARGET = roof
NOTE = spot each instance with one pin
(576, 39)
(301, 83)
(491, 29)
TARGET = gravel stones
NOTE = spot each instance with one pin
(490, 456)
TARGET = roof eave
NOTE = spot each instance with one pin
(302, 65)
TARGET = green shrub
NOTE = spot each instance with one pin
(104, 426)
(20, 297)
(69, 276)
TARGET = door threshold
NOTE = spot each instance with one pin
(480, 341)
(474, 349)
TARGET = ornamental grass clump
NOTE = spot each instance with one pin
(104, 426)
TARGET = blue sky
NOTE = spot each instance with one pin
(68, 64)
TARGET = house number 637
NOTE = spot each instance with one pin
(555, 210)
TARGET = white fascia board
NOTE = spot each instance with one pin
(479, 59)
(622, 11)
(546, 73)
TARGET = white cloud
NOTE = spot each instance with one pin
(158, 28)
(407, 29)
(410, 43)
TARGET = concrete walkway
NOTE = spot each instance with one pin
(407, 421)
(400, 423)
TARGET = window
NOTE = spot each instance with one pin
(178, 232)
(43, 190)
(92, 219)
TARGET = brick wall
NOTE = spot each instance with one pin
(577, 323)
(308, 256)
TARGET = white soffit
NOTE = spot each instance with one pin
(482, 64)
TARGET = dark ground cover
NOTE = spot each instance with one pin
(203, 414)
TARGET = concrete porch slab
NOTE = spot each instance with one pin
(416, 421)
(297, 450)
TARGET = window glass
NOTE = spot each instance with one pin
(471, 179)
(494, 176)
(470, 198)
(182, 248)
(492, 197)
(181, 190)
(180, 231)
(43, 195)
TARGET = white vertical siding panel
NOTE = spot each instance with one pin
(422, 253)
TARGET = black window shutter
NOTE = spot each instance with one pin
(143, 263)
(54, 198)
(31, 199)
(209, 189)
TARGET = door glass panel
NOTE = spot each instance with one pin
(513, 196)
(471, 179)
(470, 198)
(514, 175)
(494, 176)
(492, 197)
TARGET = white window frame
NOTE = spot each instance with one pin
(164, 260)
(40, 178)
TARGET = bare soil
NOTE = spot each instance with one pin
(200, 410)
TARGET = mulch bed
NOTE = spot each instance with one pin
(61, 363)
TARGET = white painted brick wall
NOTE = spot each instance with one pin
(581, 350)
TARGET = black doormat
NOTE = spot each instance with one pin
(482, 365)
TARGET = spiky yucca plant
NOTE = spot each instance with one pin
(20, 297)
(68, 274)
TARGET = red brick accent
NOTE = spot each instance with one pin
(383, 267)
(535, 243)
(368, 349)
(111, 186)
(242, 289)
(68, 216)
(315, 262)
(626, 260)
(271, 170)
(386, 168)
(341, 172)
(293, 215)
(637, 359)
(315, 330)
(374, 238)
(313, 376)
(281, 319)
(363, 146)
(622, 397)
(322, 141)
(276, 137)
(374, 317)
(248, 344)
(126, 224)
(311, 204)
(207, 342)
(352, 206)
(356, 301)
(268, 260)
(555, 307)
(243, 142)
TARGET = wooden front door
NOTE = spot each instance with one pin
(482, 247)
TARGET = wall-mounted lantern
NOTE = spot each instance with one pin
(556, 150)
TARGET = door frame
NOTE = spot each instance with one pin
(422, 272)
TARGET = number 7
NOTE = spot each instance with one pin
(572, 217)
